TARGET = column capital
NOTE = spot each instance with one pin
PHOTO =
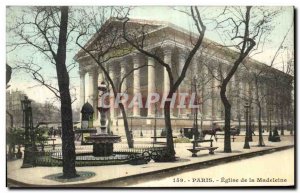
(124, 61)
(151, 62)
(167, 49)
(111, 66)
(183, 53)
(81, 72)
(150, 59)
(136, 59)
(136, 55)
(93, 71)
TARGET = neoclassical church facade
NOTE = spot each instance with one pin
(209, 65)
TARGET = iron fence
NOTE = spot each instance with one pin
(122, 155)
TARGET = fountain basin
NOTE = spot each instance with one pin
(103, 144)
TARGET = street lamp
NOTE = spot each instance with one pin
(195, 111)
(246, 145)
(27, 123)
(270, 124)
(250, 123)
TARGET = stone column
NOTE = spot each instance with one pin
(123, 73)
(91, 87)
(82, 88)
(244, 97)
(214, 95)
(112, 99)
(207, 107)
(151, 85)
(265, 102)
(95, 92)
(239, 105)
(249, 98)
(232, 92)
(124, 86)
(274, 117)
(255, 108)
(136, 83)
(181, 89)
(220, 106)
(93, 84)
(168, 60)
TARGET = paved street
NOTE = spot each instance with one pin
(104, 173)
(278, 165)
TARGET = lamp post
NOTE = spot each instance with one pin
(239, 119)
(195, 111)
(155, 133)
(250, 123)
(270, 123)
(246, 145)
(27, 124)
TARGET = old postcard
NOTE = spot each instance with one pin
(150, 96)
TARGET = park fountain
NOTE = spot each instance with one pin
(103, 142)
(103, 152)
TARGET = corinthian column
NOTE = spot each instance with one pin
(112, 99)
(207, 98)
(93, 86)
(82, 87)
(95, 98)
(123, 73)
(232, 92)
(124, 86)
(255, 109)
(136, 83)
(239, 100)
(151, 85)
(168, 60)
(181, 89)
(214, 95)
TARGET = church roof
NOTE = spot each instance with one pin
(155, 25)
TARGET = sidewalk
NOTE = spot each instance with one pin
(122, 175)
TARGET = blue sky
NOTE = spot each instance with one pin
(23, 81)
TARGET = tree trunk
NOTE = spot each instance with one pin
(260, 136)
(227, 107)
(126, 127)
(170, 144)
(68, 146)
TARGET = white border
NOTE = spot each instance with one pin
(4, 3)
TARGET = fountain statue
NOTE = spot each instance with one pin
(103, 142)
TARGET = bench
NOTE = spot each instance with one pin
(160, 142)
(196, 148)
(233, 137)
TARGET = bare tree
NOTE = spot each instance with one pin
(107, 44)
(259, 77)
(45, 29)
(202, 83)
(138, 40)
(245, 31)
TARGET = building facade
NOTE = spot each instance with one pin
(208, 67)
